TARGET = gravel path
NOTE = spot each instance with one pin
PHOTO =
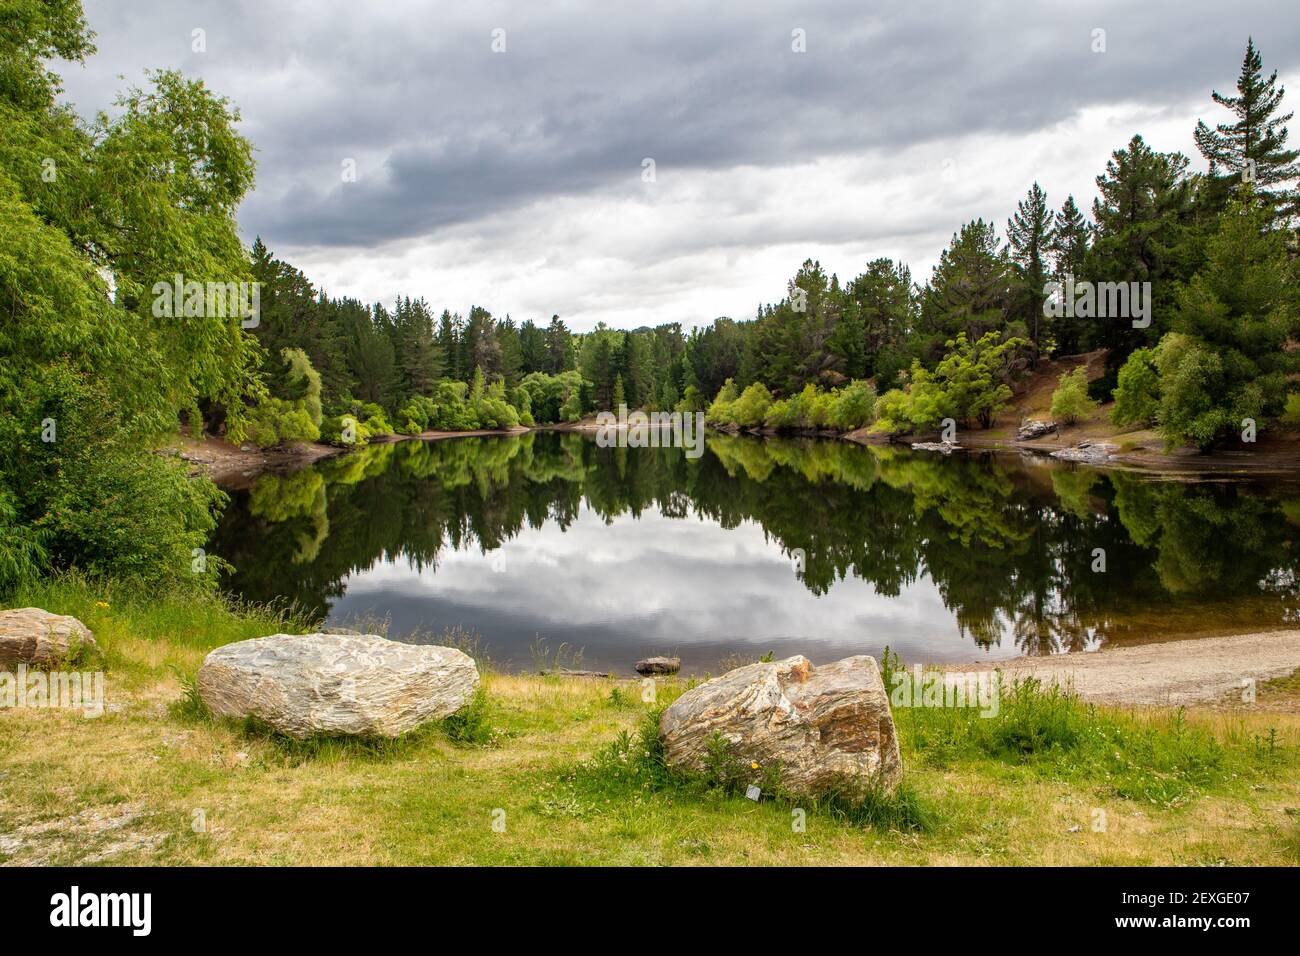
(1178, 672)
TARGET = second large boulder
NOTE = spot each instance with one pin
(336, 684)
(828, 728)
(30, 635)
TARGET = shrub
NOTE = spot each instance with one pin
(1192, 385)
(1137, 394)
(523, 404)
(749, 410)
(552, 398)
(1070, 401)
(854, 406)
(783, 415)
(96, 499)
(362, 421)
(719, 410)
(22, 549)
(292, 410)
(692, 400)
(893, 412)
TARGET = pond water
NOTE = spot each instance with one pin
(545, 544)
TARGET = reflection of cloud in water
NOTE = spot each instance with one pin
(635, 586)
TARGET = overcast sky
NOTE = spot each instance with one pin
(516, 180)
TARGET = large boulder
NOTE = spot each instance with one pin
(336, 684)
(658, 665)
(946, 447)
(30, 635)
(829, 728)
(1032, 428)
(1088, 452)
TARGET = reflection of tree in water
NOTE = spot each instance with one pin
(1009, 548)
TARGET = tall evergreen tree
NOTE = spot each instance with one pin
(1143, 234)
(419, 359)
(1253, 147)
(511, 352)
(532, 347)
(1228, 360)
(559, 351)
(478, 346)
(449, 328)
(883, 296)
(1029, 233)
(370, 353)
(637, 370)
(968, 290)
(1069, 247)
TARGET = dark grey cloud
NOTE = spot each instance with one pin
(445, 132)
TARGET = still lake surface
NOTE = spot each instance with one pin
(545, 542)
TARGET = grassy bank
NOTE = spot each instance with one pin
(565, 770)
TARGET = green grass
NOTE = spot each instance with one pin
(633, 765)
(572, 771)
(1049, 733)
(180, 627)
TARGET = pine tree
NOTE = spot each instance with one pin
(1143, 222)
(559, 355)
(1253, 148)
(419, 359)
(968, 291)
(1228, 359)
(883, 297)
(1029, 233)
(479, 347)
(532, 347)
(449, 345)
(599, 366)
(1069, 247)
(637, 369)
(511, 351)
(370, 353)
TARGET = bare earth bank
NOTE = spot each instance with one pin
(1171, 674)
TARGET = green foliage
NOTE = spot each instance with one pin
(750, 409)
(1137, 397)
(853, 407)
(470, 725)
(893, 412)
(355, 426)
(1070, 400)
(90, 376)
(22, 549)
(523, 403)
(691, 401)
(553, 398)
(293, 411)
(1254, 145)
(1235, 318)
(455, 407)
(811, 409)
(719, 411)
(969, 383)
(1030, 237)
(968, 292)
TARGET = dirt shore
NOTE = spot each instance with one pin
(1169, 674)
(238, 466)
